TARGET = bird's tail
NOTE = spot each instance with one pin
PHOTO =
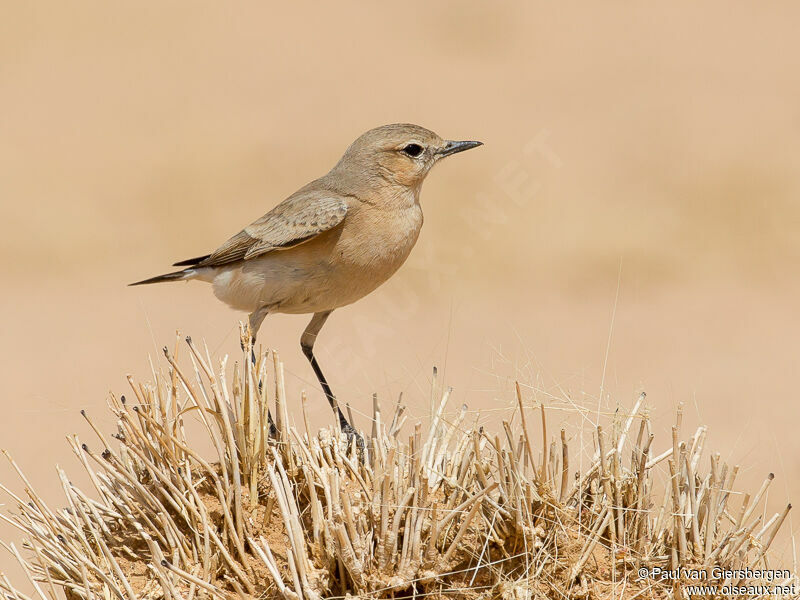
(174, 276)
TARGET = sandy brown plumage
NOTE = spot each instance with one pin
(297, 219)
(331, 242)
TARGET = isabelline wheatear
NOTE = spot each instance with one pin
(333, 241)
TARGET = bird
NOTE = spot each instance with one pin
(332, 242)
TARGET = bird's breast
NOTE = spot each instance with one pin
(377, 242)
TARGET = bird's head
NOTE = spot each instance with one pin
(400, 154)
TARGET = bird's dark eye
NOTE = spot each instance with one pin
(413, 150)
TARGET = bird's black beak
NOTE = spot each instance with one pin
(452, 147)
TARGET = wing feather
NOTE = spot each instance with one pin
(299, 218)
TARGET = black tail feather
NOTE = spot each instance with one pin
(191, 262)
(176, 276)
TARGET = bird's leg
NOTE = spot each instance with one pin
(307, 344)
(255, 320)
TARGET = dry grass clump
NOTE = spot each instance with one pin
(450, 510)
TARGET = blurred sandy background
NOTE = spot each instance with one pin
(641, 175)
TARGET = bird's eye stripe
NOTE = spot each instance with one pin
(413, 150)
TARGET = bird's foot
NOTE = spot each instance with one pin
(353, 435)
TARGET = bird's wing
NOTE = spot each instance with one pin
(297, 219)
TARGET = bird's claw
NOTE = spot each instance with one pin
(352, 434)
